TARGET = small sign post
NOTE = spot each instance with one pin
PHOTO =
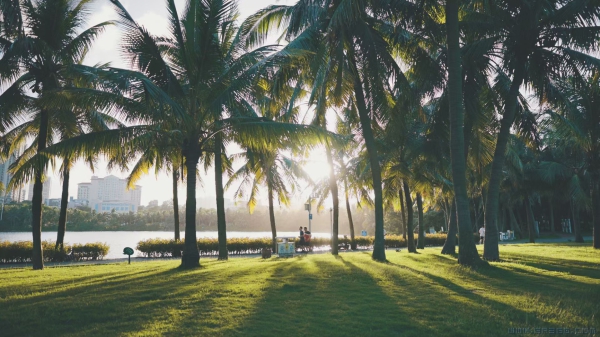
(128, 251)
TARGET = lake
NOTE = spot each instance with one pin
(119, 240)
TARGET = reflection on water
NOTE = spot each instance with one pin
(119, 240)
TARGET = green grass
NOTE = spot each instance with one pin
(427, 294)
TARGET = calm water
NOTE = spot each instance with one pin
(119, 240)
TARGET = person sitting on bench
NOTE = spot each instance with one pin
(306, 236)
(302, 242)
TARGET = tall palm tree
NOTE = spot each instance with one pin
(279, 173)
(204, 49)
(573, 128)
(467, 254)
(161, 153)
(344, 171)
(541, 42)
(41, 57)
(349, 46)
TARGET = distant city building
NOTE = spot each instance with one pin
(17, 194)
(54, 202)
(109, 193)
(75, 203)
(45, 192)
(153, 203)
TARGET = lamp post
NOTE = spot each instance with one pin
(331, 224)
(3, 199)
(308, 207)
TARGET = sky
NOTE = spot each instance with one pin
(152, 14)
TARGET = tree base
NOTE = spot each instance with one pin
(190, 260)
(379, 254)
(468, 256)
(449, 251)
(493, 256)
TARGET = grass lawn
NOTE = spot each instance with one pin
(427, 294)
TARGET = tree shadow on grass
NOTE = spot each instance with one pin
(445, 306)
(152, 302)
(326, 298)
(508, 276)
(545, 295)
(574, 267)
(498, 316)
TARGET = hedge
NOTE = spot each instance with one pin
(160, 248)
(21, 252)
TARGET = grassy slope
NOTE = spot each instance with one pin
(413, 295)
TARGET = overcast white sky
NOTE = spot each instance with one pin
(152, 14)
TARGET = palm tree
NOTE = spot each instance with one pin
(347, 44)
(184, 65)
(345, 171)
(162, 154)
(577, 120)
(467, 254)
(541, 42)
(187, 112)
(41, 58)
(277, 172)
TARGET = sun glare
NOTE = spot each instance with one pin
(317, 169)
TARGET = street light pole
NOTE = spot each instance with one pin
(3, 199)
(331, 223)
(307, 207)
(310, 213)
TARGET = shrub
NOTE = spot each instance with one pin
(21, 252)
(160, 248)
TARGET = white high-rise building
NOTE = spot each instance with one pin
(16, 194)
(110, 193)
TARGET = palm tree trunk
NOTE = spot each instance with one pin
(490, 247)
(221, 222)
(421, 238)
(446, 211)
(450, 244)
(350, 222)
(530, 221)
(191, 254)
(176, 203)
(333, 186)
(62, 218)
(551, 205)
(272, 216)
(596, 210)
(514, 224)
(367, 132)
(402, 210)
(410, 243)
(467, 254)
(37, 258)
(576, 223)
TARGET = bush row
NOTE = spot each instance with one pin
(159, 248)
(21, 252)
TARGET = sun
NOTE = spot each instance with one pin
(317, 168)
